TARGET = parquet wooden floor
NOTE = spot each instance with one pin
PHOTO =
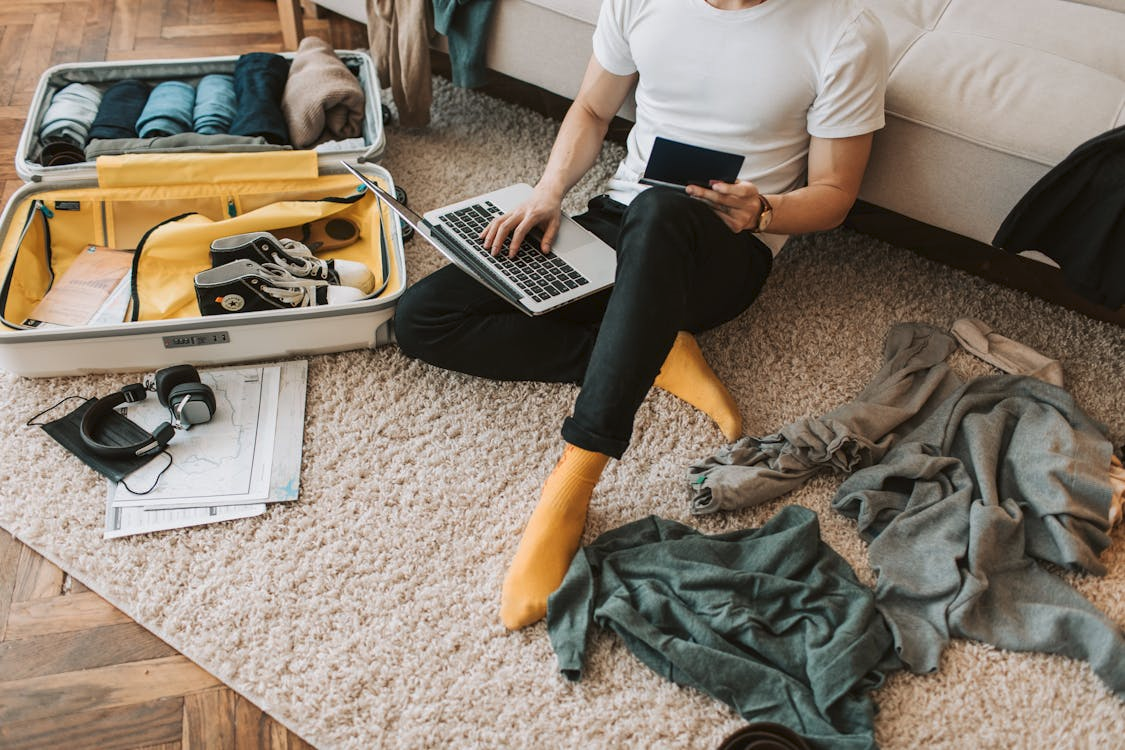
(74, 671)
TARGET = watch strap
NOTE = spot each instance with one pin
(765, 211)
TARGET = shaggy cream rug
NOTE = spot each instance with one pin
(365, 615)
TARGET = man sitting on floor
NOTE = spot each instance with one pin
(796, 86)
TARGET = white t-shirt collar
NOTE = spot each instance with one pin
(733, 15)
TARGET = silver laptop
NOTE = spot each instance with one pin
(578, 265)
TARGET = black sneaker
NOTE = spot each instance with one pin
(246, 286)
(297, 259)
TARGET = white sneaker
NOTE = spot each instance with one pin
(263, 248)
(246, 286)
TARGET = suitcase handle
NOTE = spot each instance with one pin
(143, 170)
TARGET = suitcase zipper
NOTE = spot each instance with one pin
(38, 207)
(232, 209)
(133, 293)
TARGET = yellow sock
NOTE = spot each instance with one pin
(687, 375)
(551, 538)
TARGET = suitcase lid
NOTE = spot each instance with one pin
(105, 72)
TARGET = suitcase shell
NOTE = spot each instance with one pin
(202, 340)
(57, 77)
(211, 340)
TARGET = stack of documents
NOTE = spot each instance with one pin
(93, 290)
(248, 455)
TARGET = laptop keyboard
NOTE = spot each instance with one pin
(539, 276)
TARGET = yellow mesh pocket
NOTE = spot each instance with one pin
(174, 252)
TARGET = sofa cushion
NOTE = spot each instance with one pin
(984, 97)
(977, 71)
(579, 10)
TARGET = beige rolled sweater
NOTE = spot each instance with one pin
(323, 100)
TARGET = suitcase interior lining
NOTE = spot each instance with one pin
(60, 223)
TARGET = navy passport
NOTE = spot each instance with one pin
(675, 164)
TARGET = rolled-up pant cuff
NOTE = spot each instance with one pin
(580, 437)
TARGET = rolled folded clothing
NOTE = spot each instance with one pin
(219, 142)
(348, 144)
(214, 104)
(323, 99)
(121, 107)
(259, 84)
(71, 112)
(59, 152)
(168, 111)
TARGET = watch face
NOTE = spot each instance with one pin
(765, 215)
(765, 219)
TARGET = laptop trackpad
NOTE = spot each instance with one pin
(582, 248)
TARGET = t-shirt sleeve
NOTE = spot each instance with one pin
(853, 82)
(611, 43)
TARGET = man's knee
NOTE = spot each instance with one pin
(422, 313)
(411, 331)
(432, 311)
(660, 207)
(659, 224)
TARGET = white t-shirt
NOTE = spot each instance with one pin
(757, 81)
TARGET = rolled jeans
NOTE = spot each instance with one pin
(679, 268)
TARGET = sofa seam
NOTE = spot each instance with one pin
(982, 142)
(921, 33)
(562, 13)
(970, 139)
(944, 10)
(1022, 45)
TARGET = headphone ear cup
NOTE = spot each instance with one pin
(167, 379)
(136, 442)
(200, 405)
(163, 435)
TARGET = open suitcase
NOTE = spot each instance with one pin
(167, 208)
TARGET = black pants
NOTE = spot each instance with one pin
(678, 268)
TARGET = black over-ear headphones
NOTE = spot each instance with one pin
(188, 400)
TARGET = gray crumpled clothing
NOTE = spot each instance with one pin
(1007, 472)
(913, 380)
(771, 621)
(181, 142)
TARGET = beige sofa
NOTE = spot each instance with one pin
(984, 96)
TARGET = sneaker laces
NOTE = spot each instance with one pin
(301, 257)
(295, 292)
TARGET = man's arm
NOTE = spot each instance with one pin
(835, 170)
(583, 129)
(576, 148)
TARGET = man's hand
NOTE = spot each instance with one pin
(577, 146)
(737, 203)
(543, 210)
(835, 171)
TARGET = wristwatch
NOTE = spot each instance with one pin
(765, 215)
